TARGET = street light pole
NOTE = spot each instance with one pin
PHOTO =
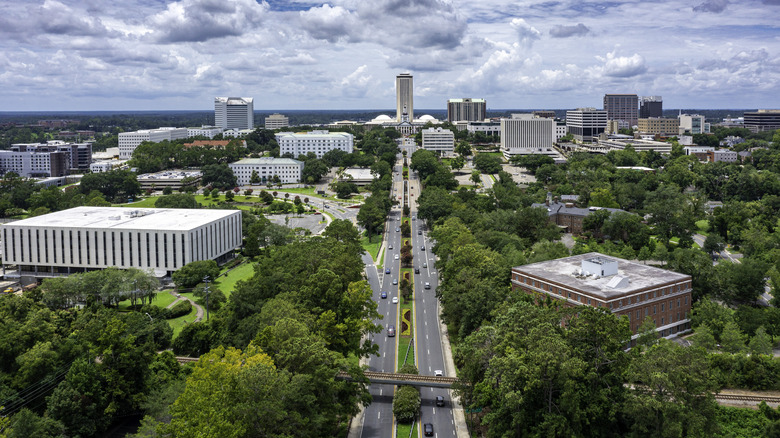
(206, 292)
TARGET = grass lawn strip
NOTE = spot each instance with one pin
(227, 283)
(178, 323)
(372, 245)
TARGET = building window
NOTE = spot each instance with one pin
(662, 320)
(662, 307)
(654, 309)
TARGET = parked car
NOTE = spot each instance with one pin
(390, 331)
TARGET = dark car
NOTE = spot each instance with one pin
(390, 331)
(419, 232)
(428, 428)
(387, 271)
(416, 270)
(422, 248)
(384, 294)
(439, 401)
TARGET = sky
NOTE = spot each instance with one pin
(96, 55)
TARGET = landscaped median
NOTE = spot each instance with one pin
(406, 339)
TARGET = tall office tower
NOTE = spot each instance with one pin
(404, 98)
(586, 124)
(470, 110)
(651, 106)
(622, 107)
(234, 112)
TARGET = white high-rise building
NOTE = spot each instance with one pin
(525, 134)
(319, 142)
(234, 112)
(586, 124)
(438, 140)
(404, 98)
(128, 141)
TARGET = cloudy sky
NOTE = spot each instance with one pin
(166, 55)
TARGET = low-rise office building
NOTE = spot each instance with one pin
(88, 238)
(586, 124)
(204, 131)
(276, 121)
(693, 124)
(175, 179)
(723, 155)
(659, 126)
(762, 120)
(51, 159)
(288, 170)
(128, 141)
(627, 289)
(438, 140)
(319, 142)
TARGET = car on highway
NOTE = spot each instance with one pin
(427, 285)
(416, 270)
(390, 331)
(397, 229)
(414, 218)
(439, 401)
(438, 373)
(425, 264)
(387, 271)
(396, 257)
(422, 248)
(395, 281)
(384, 294)
(398, 219)
(428, 428)
(391, 246)
(419, 232)
(395, 300)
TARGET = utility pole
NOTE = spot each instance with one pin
(206, 292)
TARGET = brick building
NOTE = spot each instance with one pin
(567, 216)
(629, 289)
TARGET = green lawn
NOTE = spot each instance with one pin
(144, 203)
(161, 300)
(403, 343)
(308, 191)
(228, 282)
(404, 430)
(703, 226)
(372, 246)
(178, 323)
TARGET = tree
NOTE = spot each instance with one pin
(463, 149)
(458, 162)
(179, 200)
(713, 244)
(115, 185)
(732, 339)
(343, 231)
(648, 335)
(192, 273)
(476, 177)
(255, 178)
(28, 424)
(761, 342)
(406, 403)
(487, 163)
(345, 189)
(219, 176)
(703, 338)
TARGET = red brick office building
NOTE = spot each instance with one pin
(625, 288)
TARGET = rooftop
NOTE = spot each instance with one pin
(267, 160)
(566, 271)
(119, 218)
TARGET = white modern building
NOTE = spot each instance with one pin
(276, 121)
(693, 124)
(586, 124)
(204, 131)
(288, 170)
(404, 98)
(525, 134)
(234, 112)
(128, 141)
(438, 140)
(87, 238)
(488, 127)
(319, 142)
(639, 145)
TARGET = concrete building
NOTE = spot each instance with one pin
(319, 142)
(651, 106)
(88, 238)
(276, 121)
(404, 98)
(438, 140)
(693, 124)
(525, 134)
(659, 126)
(627, 289)
(51, 159)
(762, 120)
(204, 131)
(488, 127)
(128, 141)
(234, 113)
(622, 107)
(701, 152)
(357, 175)
(175, 179)
(287, 169)
(639, 145)
(723, 155)
(585, 124)
(466, 109)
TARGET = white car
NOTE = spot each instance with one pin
(395, 300)
(438, 373)
(396, 256)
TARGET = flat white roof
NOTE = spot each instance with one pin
(120, 218)
(268, 161)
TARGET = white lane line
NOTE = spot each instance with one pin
(378, 414)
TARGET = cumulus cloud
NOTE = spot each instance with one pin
(714, 6)
(526, 33)
(413, 23)
(357, 83)
(562, 31)
(330, 23)
(203, 20)
(622, 66)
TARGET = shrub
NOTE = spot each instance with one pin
(183, 307)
